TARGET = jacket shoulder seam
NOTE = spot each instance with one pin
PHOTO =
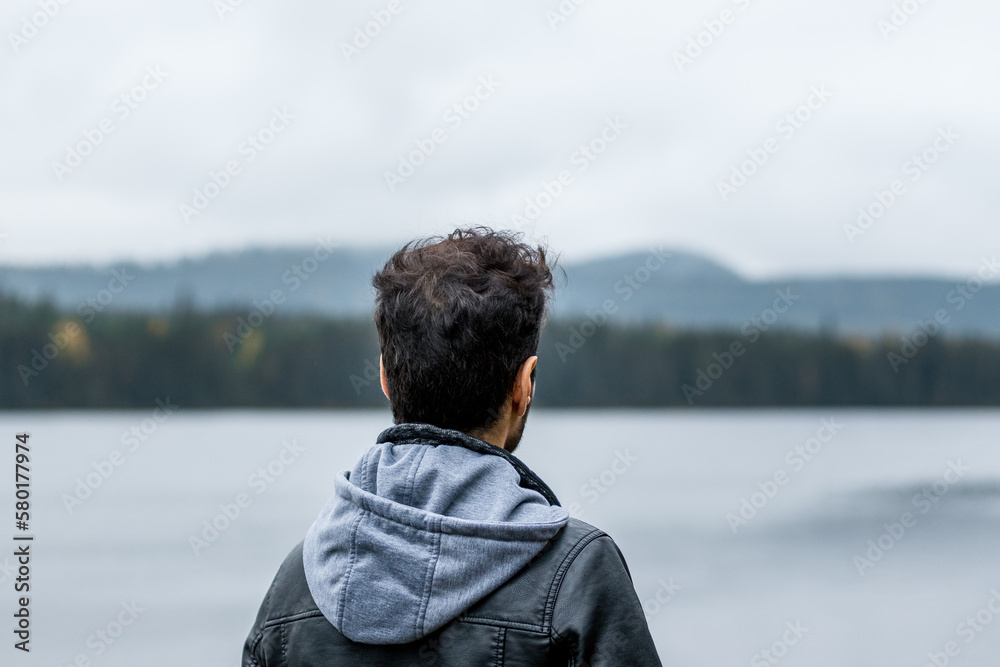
(266, 605)
(560, 574)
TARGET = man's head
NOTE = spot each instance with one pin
(458, 321)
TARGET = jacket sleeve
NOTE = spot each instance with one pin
(253, 647)
(597, 615)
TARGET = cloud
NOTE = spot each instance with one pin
(687, 129)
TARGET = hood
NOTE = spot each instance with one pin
(428, 523)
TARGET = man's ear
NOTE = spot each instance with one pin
(524, 387)
(381, 373)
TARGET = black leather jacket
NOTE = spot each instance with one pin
(573, 605)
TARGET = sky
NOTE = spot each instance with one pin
(750, 131)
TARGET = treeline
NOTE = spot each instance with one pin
(49, 359)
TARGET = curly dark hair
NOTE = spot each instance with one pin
(457, 316)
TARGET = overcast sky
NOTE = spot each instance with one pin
(339, 118)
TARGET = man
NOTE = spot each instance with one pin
(440, 547)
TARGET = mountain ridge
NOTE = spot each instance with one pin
(677, 288)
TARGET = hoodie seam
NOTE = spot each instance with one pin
(425, 600)
(365, 462)
(411, 477)
(350, 566)
(560, 574)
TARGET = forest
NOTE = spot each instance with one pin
(225, 358)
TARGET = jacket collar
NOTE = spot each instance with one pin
(426, 434)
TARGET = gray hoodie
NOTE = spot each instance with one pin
(428, 523)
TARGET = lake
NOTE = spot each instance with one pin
(807, 537)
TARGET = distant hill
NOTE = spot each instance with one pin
(692, 292)
(337, 285)
(684, 291)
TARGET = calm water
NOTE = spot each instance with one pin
(661, 483)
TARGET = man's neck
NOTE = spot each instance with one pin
(496, 436)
